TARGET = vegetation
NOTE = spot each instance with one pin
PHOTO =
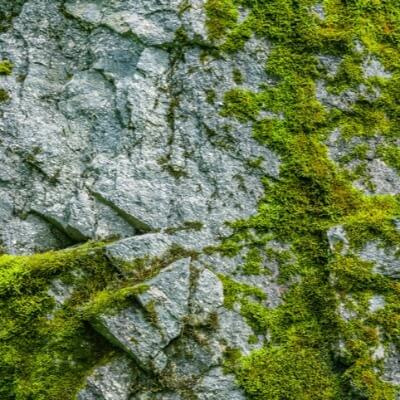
(310, 350)
(48, 346)
(6, 67)
(301, 358)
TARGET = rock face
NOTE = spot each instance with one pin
(111, 129)
(241, 178)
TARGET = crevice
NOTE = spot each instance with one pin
(141, 226)
(71, 233)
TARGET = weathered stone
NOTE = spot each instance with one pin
(208, 296)
(132, 330)
(112, 381)
(216, 385)
(386, 260)
(337, 238)
(122, 131)
(168, 298)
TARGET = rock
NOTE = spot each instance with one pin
(145, 331)
(385, 180)
(168, 298)
(132, 331)
(115, 130)
(372, 68)
(386, 260)
(337, 237)
(216, 385)
(60, 291)
(124, 138)
(112, 381)
(151, 245)
(208, 296)
(376, 303)
(392, 365)
(235, 332)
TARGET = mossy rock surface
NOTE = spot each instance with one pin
(333, 66)
(314, 194)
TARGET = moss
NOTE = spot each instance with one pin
(6, 67)
(391, 155)
(8, 11)
(253, 262)
(43, 357)
(175, 171)
(4, 96)
(314, 194)
(237, 76)
(291, 373)
(222, 15)
(240, 103)
(236, 291)
(211, 96)
(255, 163)
(48, 349)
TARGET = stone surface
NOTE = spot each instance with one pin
(112, 381)
(124, 137)
(386, 260)
(216, 385)
(114, 131)
(144, 330)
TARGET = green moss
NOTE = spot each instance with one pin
(4, 96)
(391, 155)
(237, 292)
(253, 262)
(48, 349)
(237, 76)
(290, 373)
(242, 104)
(211, 96)
(6, 67)
(314, 194)
(8, 11)
(222, 15)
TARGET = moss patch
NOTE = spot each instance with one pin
(47, 348)
(6, 67)
(301, 359)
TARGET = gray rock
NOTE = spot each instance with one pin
(378, 178)
(376, 303)
(337, 236)
(319, 10)
(392, 365)
(386, 260)
(151, 245)
(145, 331)
(385, 179)
(208, 296)
(235, 333)
(132, 330)
(112, 381)
(60, 291)
(168, 298)
(374, 69)
(216, 385)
